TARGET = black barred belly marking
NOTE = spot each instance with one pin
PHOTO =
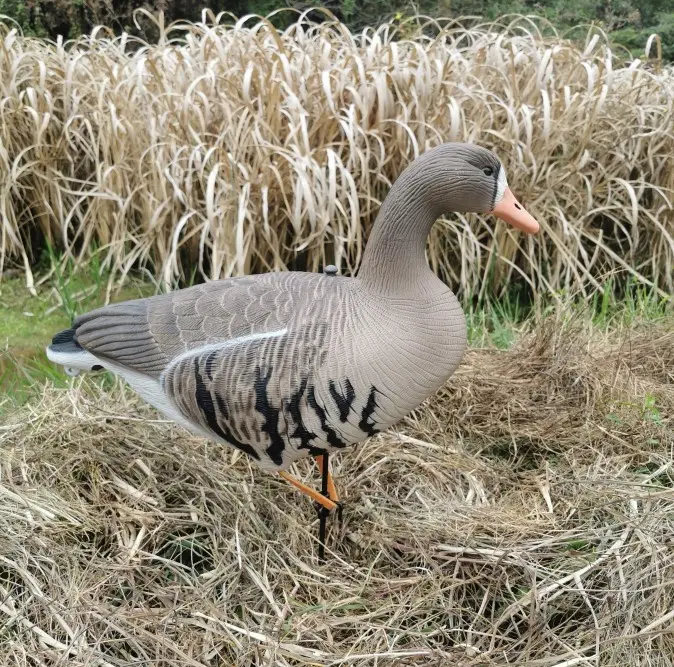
(365, 424)
(264, 406)
(305, 435)
(299, 410)
(343, 400)
(330, 434)
(205, 402)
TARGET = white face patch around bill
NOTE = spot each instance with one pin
(501, 185)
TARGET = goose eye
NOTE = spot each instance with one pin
(488, 171)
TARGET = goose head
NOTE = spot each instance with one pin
(465, 178)
(450, 178)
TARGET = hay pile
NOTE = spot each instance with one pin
(232, 148)
(523, 516)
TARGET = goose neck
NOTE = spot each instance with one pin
(394, 261)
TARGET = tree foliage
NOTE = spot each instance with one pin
(70, 18)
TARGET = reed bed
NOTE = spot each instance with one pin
(522, 516)
(231, 147)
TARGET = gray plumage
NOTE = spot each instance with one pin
(284, 365)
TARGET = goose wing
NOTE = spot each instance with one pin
(145, 335)
(242, 361)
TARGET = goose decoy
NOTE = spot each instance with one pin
(293, 364)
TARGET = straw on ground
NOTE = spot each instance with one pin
(523, 516)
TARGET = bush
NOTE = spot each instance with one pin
(239, 148)
(635, 39)
(71, 18)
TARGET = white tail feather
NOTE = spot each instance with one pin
(73, 362)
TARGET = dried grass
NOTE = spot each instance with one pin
(523, 516)
(241, 148)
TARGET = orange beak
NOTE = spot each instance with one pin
(510, 210)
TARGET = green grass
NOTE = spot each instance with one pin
(27, 322)
(628, 305)
(498, 322)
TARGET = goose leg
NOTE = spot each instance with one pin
(322, 462)
(307, 490)
(327, 498)
(326, 482)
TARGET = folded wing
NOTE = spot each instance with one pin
(144, 335)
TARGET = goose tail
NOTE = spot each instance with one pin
(67, 352)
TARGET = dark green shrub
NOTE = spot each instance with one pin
(635, 39)
(629, 21)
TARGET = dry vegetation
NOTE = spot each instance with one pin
(233, 148)
(523, 516)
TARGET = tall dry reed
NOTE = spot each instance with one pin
(230, 148)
